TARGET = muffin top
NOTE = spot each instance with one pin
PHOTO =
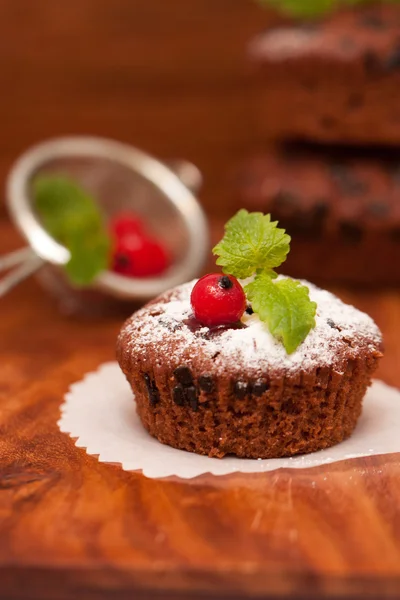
(344, 37)
(166, 333)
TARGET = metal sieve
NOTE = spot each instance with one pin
(120, 177)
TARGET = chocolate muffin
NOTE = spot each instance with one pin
(334, 81)
(341, 208)
(234, 389)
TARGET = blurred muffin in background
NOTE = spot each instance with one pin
(332, 81)
(341, 207)
(328, 116)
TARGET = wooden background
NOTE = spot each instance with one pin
(169, 76)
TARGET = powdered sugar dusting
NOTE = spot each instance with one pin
(287, 43)
(284, 42)
(340, 330)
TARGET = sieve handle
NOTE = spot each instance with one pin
(25, 261)
(12, 259)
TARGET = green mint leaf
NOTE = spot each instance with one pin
(58, 199)
(89, 256)
(286, 308)
(72, 217)
(301, 8)
(252, 242)
(311, 8)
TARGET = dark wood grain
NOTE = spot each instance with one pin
(170, 77)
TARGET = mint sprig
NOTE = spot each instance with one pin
(253, 245)
(301, 8)
(72, 217)
(252, 242)
(311, 8)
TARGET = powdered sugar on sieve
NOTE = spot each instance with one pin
(339, 328)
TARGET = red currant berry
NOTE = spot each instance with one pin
(137, 256)
(218, 300)
(126, 224)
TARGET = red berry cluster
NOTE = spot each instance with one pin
(136, 253)
(218, 300)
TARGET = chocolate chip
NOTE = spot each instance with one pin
(347, 182)
(152, 390)
(319, 214)
(240, 389)
(392, 62)
(378, 209)
(259, 387)
(178, 395)
(373, 22)
(183, 375)
(225, 282)
(249, 310)
(191, 397)
(182, 395)
(206, 383)
(350, 232)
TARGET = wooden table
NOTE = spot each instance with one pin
(73, 528)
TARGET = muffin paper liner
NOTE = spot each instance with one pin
(99, 413)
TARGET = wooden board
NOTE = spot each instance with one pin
(73, 528)
(170, 77)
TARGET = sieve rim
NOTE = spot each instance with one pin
(142, 164)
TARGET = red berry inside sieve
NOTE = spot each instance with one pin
(136, 253)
